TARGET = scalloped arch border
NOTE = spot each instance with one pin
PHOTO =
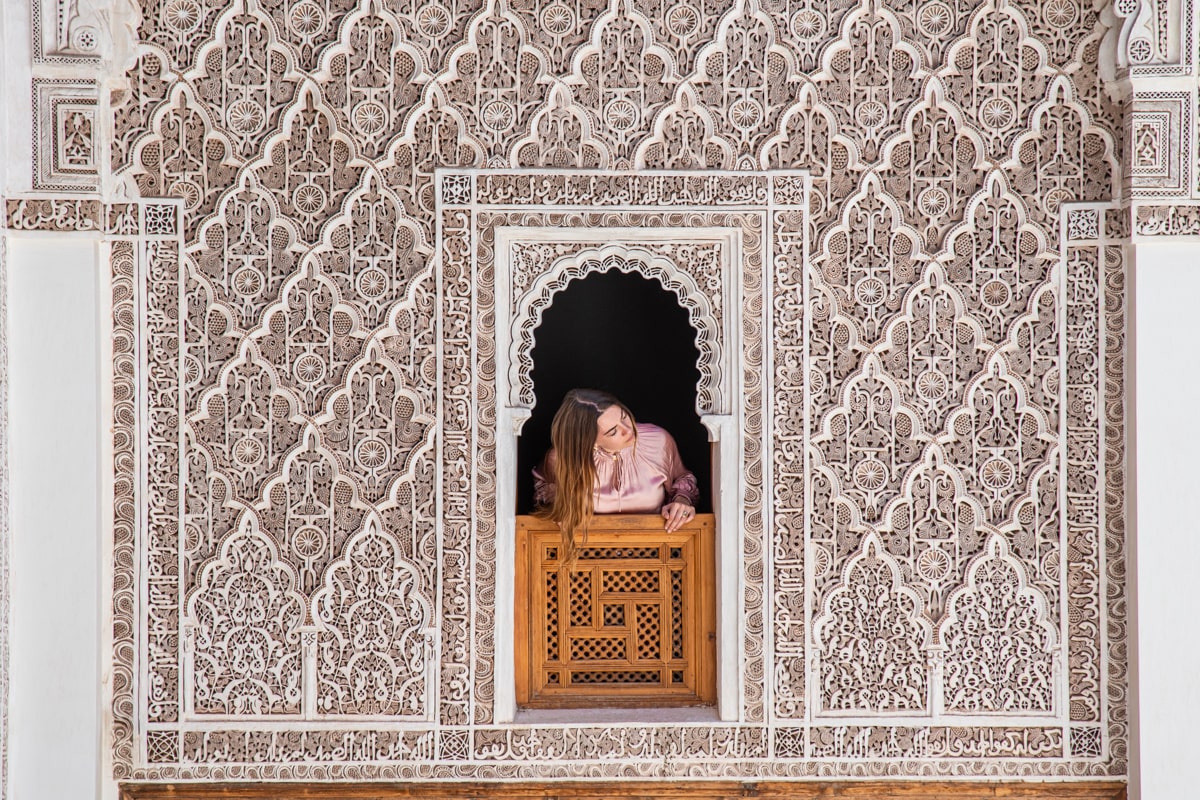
(711, 393)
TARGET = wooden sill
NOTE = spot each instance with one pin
(636, 790)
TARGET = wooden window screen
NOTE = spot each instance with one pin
(630, 623)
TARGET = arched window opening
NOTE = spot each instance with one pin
(627, 335)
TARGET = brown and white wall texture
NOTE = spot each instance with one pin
(901, 229)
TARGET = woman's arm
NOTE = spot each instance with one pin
(544, 486)
(681, 481)
(682, 489)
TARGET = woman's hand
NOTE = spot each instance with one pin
(677, 514)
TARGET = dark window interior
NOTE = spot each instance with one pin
(627, 335)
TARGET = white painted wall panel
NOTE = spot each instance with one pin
(56, 537)
(1167, 384)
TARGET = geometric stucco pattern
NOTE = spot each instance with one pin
(1158, 44)
(932, 536)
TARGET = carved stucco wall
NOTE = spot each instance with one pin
(932, 548)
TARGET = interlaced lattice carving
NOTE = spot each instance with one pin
(998, 638)
(245, 639)
(626, 581)
(870, 638)
(312, 351)
(375, 641)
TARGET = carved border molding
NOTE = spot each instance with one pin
(1156, 41)
(534, 231)
(1178, 220)
(66, 130)
(68, 32)
(763, 744)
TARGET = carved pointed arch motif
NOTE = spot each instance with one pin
(621, 75)
(866, 443)
(684, 136)
(242, 628)
(410, 341)
(997, 258)
(936, 164)
(1032, 351)
(188, 156)
(999, 641)
(372, 77)
(935, 24)
(998, 439)
(247, 250)
(210, 512)
(870, 638)
(310, 336)
(246, 76)
(933, 349)
(1068, 30)
(712, 395)
(307, 26)
(807, 139)
(436, 28)
(1064, 156)
(561, 135)
(497, 79)
(558, 28)
(373, 249)
(375, 424)
(933, 528)
(867, 261)
(436, 136)
(212, 334)
(1034, 535)
(310, 166)
(746, 78)
(310, 509)
(375, 640)
(178, 27)
(996, 73)
(410, 512)
(146, 85)
(247, 422)
(868, 77)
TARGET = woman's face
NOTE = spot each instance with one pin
(614, 430)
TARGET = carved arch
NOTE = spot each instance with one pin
(712, 396)
(872, 626)
(999, 639)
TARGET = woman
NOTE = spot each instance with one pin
(603, 462)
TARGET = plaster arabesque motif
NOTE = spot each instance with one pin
(933, 426)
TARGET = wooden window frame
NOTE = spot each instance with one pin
(689, 551)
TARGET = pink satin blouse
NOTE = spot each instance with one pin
(640, 479)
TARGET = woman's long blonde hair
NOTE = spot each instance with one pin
(573, 434)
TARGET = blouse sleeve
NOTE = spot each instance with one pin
(544, 487)
(681, 482)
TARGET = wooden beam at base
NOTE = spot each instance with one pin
(634, 790)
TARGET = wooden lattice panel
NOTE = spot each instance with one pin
(630, 622)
